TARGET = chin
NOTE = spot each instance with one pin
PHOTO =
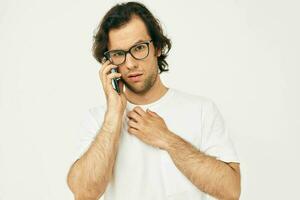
(141, 87)
(137, 88)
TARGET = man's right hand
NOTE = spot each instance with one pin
(115, 102)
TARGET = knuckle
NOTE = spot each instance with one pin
(110, 76)
(131, 130)
(136, 115)
(137, 108)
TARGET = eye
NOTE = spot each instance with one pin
(116, 54)
(139, 47)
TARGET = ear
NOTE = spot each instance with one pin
(159, 53)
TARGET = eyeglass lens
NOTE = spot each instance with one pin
(139, 51)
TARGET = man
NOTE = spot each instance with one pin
(149, 141)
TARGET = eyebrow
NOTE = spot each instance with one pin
(139, 41)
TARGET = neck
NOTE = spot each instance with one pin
(153, 94)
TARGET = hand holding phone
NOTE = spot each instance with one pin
(112, 87)
(115, 81)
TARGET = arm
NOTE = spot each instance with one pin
(210, 175)
(89, 176)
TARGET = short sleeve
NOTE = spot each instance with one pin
(215, 140)
(89, 127)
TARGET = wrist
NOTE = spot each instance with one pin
(112, 107)
(171, 141)
(112, 121)
(113, 114)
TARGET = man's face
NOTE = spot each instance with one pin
(125, 37)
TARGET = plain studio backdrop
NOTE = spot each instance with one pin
(243, 54)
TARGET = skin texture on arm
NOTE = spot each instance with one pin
(89, 176)
(215, 177)
(212, 176)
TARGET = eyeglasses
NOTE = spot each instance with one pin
(139, 51)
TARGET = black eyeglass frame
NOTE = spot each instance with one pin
(107, 53)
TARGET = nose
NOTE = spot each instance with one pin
(130, 62)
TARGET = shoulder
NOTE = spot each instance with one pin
(194, 99)
(195, 103)
(97, 110)
(95, 114)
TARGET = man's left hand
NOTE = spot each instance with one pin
(149, 127)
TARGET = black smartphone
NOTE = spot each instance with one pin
(114, 81)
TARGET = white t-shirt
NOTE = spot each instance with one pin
(144, 172)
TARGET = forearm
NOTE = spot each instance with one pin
(205, 172)
(90, 175)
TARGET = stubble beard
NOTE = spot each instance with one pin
(145, 87)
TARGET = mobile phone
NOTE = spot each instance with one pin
(114, 81)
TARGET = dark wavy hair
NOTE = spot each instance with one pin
(121, 14)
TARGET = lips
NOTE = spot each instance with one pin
(134, 74)
(135, 77)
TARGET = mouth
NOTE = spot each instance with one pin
(135, 78)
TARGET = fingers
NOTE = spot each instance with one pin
(134, 116)
(106, 76)
(113, 75)
(102, 68)
(132, 124)
(139, 111)
(153, 113)
(138, 114)
(105, 69)
(110, 77)
(133, 131)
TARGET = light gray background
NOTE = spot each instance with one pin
(242, 54)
